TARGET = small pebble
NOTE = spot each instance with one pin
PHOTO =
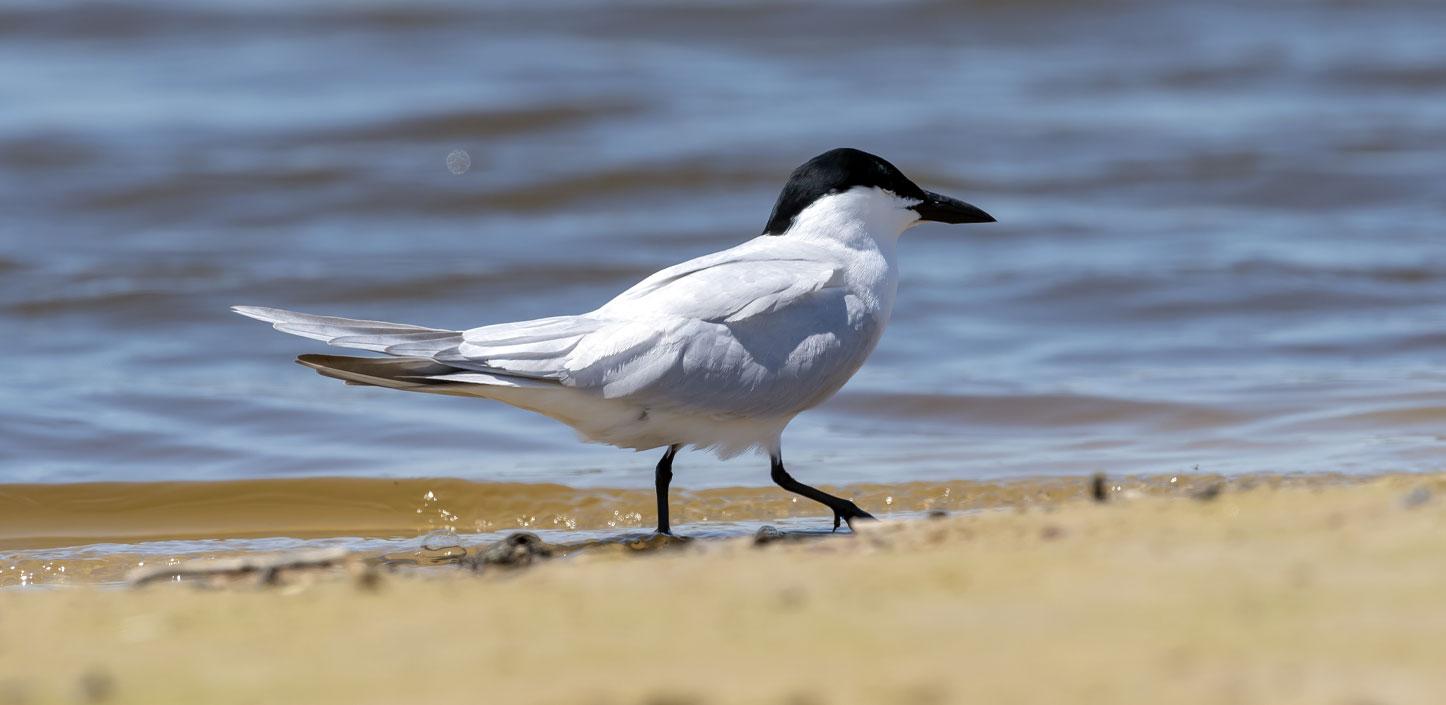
(1051, 532)
(516, 551)
(767, 535)
(1416, 497)
(1208, 493)
(938, 514)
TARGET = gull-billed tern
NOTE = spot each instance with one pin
(719, 352)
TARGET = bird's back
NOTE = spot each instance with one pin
(768, 328)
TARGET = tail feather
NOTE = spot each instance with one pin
(526, 349)
(388, 342)
(410, 374)
(376, 336)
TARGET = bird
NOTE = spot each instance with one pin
(717, 353)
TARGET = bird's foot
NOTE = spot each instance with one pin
(849, 512)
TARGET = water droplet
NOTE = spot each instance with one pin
(459, 161)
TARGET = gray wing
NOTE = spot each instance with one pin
(755, 333)
(764, 328)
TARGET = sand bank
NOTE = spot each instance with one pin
(1269, 594)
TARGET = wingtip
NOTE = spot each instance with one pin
(312, 360)
(318, 361)
(260, 313)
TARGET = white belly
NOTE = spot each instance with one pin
(626, 424)
(730, 385)
(729, 398)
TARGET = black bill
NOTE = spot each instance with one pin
(943, 209)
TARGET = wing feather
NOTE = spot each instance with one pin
(751, 330)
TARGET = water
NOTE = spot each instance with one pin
(1220, 245)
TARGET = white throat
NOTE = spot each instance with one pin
(863, 216)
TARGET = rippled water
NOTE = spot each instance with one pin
(1220, 240)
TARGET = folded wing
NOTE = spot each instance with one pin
(741, 332)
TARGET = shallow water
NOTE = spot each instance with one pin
(83, 533)
(1220, 241)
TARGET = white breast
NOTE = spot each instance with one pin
(723, 351)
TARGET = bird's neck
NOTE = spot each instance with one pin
(855, 219)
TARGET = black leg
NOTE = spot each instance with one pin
(843, 509)
(661, 480)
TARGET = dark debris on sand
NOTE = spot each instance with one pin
(518, 550)
(1416, 497)
(264, 568)
(1208, 493)
(1099, 487)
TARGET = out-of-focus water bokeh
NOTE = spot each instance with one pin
(1221, 241)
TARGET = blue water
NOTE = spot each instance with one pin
(1221, 239)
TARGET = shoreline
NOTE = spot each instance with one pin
(1293, 593)
(97, 532)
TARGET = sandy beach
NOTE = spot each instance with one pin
(1295, 592)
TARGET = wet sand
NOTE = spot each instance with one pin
(82, 533)
(35, 516)
(1289, 593)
